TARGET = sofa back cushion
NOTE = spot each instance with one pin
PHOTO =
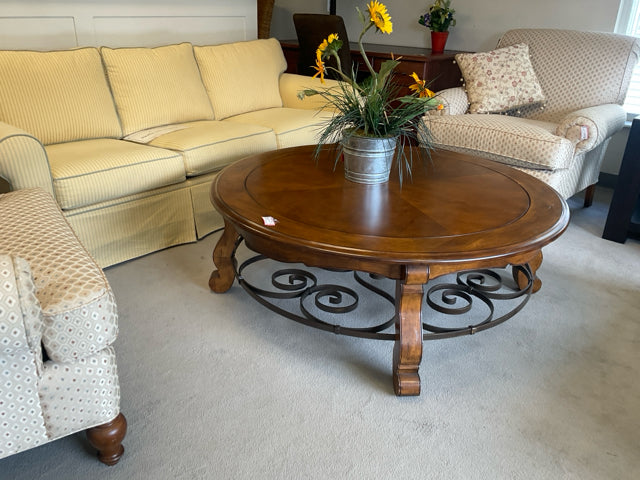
(57, 96)
(156, 86)
(242, 77)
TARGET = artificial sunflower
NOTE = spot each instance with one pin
(380, 17)
(372, 107)
(319, 66)
(420, 87)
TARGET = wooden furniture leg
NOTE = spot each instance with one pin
(107, 439)
(221, 279)
(588, 195)
(407, 351)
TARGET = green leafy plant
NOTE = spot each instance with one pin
(439, 17)
(373, 107)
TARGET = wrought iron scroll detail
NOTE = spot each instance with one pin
(292, 283)
(473, 291)
(487, 287)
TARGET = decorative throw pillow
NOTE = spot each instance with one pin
(501, 80)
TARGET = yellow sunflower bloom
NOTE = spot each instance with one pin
(329, 45)
(380, 17)
(420, 87)
(322, 47)
(319, 66)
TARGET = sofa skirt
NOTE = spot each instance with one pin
(137, 225)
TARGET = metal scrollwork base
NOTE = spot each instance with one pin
(478, 299)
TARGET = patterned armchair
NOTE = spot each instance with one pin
(58, 321)
(545, 101)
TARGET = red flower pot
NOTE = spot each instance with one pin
(438, 41)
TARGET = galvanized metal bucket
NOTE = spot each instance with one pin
(368, 159)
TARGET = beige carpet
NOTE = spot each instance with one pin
(215, 386)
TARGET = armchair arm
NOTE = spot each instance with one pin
(291, 84)
(455, 102)
(589, 127)
(21, 321)
(23, 160)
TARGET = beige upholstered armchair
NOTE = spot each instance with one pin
(58, 321)
(545, 101)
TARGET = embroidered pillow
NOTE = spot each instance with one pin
(500, 81)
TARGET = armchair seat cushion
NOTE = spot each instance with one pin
(512, 140)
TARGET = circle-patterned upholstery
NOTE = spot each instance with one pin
(80, 316)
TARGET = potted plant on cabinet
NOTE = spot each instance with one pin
(438, 19)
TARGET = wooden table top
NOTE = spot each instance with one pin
(456, 212)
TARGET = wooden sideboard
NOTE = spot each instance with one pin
(440, 70)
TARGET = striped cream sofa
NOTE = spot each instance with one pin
(128, 140)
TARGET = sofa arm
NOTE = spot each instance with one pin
(23, 160)
(589, 127)
(291, 84)
(454, 100)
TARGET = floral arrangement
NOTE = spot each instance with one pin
(439, 17)
(373, 107)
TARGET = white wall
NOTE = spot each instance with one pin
(48, 24)
(480, 24)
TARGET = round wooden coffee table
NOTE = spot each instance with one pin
(456, 213)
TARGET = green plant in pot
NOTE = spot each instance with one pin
(438, 19)
(372, 123)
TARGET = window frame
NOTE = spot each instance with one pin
(628, 23)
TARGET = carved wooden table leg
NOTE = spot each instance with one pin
(107, 439)
(407, 351)
(222, 278)
(534, 264)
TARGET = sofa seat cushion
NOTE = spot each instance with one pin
(156, 86)
(34, 229)
(210, 145)
(93, 171)
(242, 77)
(57, 96)
(511, 140)
(292, 126)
